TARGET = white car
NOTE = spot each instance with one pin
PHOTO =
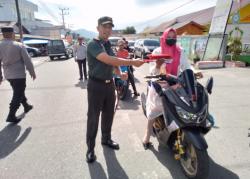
(114, 40)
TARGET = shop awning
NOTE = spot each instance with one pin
(35, 41)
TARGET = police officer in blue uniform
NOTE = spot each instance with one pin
(15, 60)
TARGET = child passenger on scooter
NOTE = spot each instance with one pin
(123, 53)
(179, 63)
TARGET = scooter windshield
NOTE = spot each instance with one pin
(189, 83)
(190, 96)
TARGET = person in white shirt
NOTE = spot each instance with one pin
(80, 50)
(179, 63)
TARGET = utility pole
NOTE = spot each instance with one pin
(19, 21)
(63, 14)
(70, 26)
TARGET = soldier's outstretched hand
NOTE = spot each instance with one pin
(138, 63)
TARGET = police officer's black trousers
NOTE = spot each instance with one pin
(18, 87)
(82, 68)
(101, 99)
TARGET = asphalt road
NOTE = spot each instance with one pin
(50, 141)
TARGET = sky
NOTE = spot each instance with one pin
(137, 13)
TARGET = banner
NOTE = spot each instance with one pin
(221, 13)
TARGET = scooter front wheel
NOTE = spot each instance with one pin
(195, 162)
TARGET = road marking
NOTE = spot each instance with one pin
(35, 63)
(136, 142)
(124, 118)
(149, 175)
(38, 61)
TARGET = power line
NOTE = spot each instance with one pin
(49, 12)
(164, 14)
(70, 26)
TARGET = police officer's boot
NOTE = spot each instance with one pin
(27, 107)
(12, 116)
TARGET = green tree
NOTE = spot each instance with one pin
(129, 30)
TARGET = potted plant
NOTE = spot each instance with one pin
(235, 45)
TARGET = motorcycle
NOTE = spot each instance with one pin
(184, 120)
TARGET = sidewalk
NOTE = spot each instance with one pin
(39, 60)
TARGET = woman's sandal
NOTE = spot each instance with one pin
(147, 145)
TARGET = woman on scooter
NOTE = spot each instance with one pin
(179, 63)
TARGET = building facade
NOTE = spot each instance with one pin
(32, 25)
(8, 10)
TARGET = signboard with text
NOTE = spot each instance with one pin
(216, 44)
(220, 17)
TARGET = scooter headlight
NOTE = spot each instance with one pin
(190, 117)
(187, 116)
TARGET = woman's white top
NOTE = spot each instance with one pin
(184, 63)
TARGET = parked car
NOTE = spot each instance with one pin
(114, 40)
(143, 47)
(131, 45)
(33, 52)
(69, 49)
(57, 48)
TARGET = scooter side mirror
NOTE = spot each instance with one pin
(209, 85)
